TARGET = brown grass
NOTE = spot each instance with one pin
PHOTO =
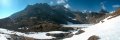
(115, 14)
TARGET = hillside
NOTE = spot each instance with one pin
(41, 16)
(108, 29)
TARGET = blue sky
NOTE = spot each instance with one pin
(8, 7)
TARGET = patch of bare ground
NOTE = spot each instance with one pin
(115, 14)
(94, 37)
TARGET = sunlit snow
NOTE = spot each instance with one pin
(108, 30)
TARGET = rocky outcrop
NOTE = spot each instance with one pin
(93, 38)
(60, 35)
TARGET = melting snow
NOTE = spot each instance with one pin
(39, 35)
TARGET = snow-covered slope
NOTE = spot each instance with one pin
(40, 35)
(106, 30)
(5, 34)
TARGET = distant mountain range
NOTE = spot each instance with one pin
(42, 13)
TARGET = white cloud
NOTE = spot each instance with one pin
(116, 6)
(67, 6)
(61, 1)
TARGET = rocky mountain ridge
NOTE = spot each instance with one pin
(41, 16)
